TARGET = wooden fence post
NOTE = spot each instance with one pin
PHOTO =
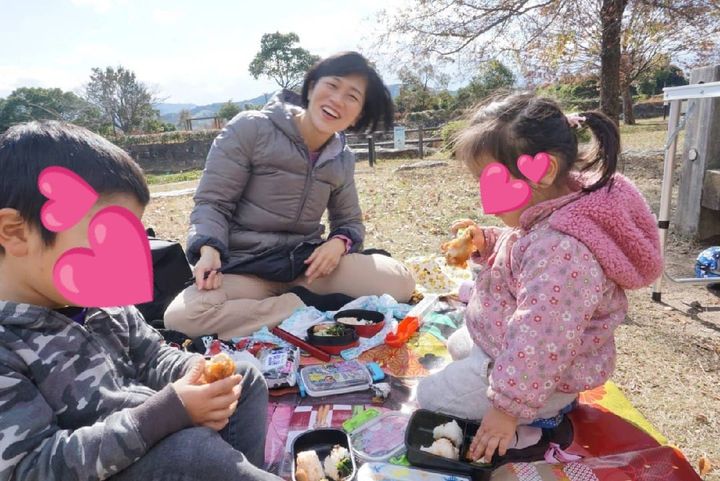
(371, 150)
(421, 150)
(695, 215)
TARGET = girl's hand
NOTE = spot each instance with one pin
(476, 232)
(209, 262)
(496, 431)
(461, 224)
(209, 405)
(324, 259)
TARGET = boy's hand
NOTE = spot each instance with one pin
(209, 405)
(324, 259)
(497, 431)
(209, 262)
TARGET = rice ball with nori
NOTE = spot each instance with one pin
(338, 464)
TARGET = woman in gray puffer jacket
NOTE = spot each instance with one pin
(269, 177)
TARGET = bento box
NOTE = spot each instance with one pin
(319, 458)
(335, 378)
(419, 434)
(366, 323)
(332, 338)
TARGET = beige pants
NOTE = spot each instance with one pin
(246, 303)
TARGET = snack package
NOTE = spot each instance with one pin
(279, 365)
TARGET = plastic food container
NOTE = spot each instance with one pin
(336, 378)
(322, 441)
(420, 433)
(381, 438)
(390, 472)
(334, 344)
(376, 319)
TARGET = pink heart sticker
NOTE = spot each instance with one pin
(500, 194)
(117, 268)
(534, 168)
(70, 198)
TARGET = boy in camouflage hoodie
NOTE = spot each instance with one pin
(90, 393)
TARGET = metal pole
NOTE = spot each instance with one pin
(666, 190)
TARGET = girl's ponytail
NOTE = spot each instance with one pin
(606, 151)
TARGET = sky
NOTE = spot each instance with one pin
(190, 51)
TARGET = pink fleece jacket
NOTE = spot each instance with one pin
(550, 293)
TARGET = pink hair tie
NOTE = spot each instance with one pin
(575, 120)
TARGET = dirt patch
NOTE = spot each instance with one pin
(669, 353)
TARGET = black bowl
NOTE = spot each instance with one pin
(322, 441)
(334, 344)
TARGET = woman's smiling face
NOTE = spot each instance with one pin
(335, 103)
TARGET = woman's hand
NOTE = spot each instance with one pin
(496, 431)
(209, 262)
(209, 405)
(476, 232)
(324, 259)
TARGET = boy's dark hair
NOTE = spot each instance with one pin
(27, 149)
(522, 123)
(378, 105)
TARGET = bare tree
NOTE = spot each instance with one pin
(553, 37)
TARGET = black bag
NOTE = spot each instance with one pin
(170, 272)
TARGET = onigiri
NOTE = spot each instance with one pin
(338, 464)
(442, 447)
(308, 467)
(451, 431)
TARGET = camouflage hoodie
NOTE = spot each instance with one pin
(83, 402)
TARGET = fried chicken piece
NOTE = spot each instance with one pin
(219, 367)
(458, 250)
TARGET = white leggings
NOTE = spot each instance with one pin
(461, 388)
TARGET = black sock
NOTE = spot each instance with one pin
(323, 302)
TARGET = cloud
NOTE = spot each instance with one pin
(167, 16)
(13, 77)
(99, 6)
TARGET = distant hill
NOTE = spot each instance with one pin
(171, 112)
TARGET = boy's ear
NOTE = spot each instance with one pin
(552, 173)
(14, 233)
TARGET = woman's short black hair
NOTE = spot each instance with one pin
(378, 105)
(27, 149)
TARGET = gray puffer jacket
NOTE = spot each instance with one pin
(260, 202)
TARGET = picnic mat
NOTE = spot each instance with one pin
(617, 443)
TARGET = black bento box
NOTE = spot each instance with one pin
(420, 433)
(322, 441)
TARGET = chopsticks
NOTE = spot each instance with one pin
(296, 341)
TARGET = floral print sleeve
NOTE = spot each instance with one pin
(491, 236)
(559, 285)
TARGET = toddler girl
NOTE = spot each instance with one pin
(550, 288)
